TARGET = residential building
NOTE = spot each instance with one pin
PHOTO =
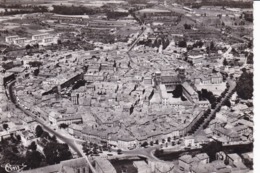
(79, 165)
(202, 158)
(10, 39)
(104, 166)
(185, 162)
(196, 59)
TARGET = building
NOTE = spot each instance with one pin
(142, 167)
(74, 119)
(10, 39)
(170, 81)
(53, 117)
(202, 158)
(47, 40)
(41, 36)
(159, 167)
(69, 166)
(20, 41)
(232, 158)
(104, 166)
(196, 59)
(185, 162)
(190, 93)
(27, 137)
(189, 141)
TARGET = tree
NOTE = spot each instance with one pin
(177, 92)
(225, 63)
(38, 131)
(157, 142)
(163, 140)
(227, 103)
(5, 126)
(244, 86)
(32, 146)
(158, 152)
(54, 138)
(56, 152)
(33, 159)
(35, 63)
(58, 41)
(211, 149)
(250, 58)
(212, 45)
(151, 143)
(28, 47)
(18, 138)
(187, 26)
(64, 126)
(182, 43)
(226, 162)
(45, 135)
(145, 144)
(213, 105)
(119, 151)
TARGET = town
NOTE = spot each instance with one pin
(131, 86)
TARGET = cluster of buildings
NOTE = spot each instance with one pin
(112, 90)
(232, 125)
(128, 98)
(200, 163)
(41, 39)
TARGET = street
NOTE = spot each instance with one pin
(70, 142)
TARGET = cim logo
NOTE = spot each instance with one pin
(13, 168)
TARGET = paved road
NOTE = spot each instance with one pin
(144, 152)
(66, 140)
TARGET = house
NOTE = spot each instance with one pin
(190, 93)
(77, 119)
(104, 166)
(159, 167)
(4, 135)
(236, 161)
(232, 158)
(75, 130)
(10, 39)
(53, 117)
(69, 166)
(27, 137)
(196, 59)
(185, 162)
(79, 165)
(142, 167)
(189, 141)
(202, 158)
(216, 78)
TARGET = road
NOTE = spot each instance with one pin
(136, 40)
(143, 152)
(232, 86)
(70, 142)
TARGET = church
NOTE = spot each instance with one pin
(168, 83)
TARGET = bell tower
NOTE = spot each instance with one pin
(157, 78)
(181, 73)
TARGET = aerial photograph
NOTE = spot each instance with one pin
(126, 86)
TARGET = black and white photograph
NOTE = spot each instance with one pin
(127, 86)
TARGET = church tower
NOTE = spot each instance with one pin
(157, 78)
(181, 73)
